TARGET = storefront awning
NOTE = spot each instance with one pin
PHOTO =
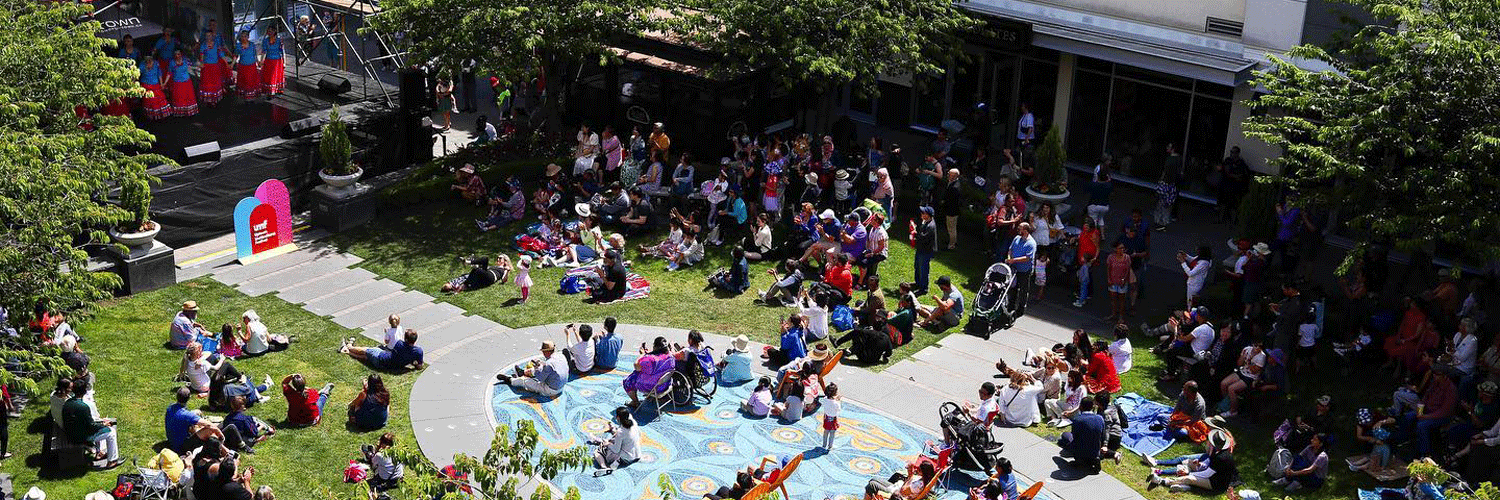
(121, 18)
(1187, 54)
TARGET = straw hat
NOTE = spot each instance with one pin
(582, 209)
(553, 169)
(1261, 248)
(191, 305)
(468, 169)
(819, 353)
(740, 343)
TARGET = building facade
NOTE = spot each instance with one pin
(1117, 77)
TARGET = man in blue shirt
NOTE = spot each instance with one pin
(1022, 255)
(184, 428)
(404, 355)
(545, 379)
(792, 344)
(1086, 438)
(607, 347)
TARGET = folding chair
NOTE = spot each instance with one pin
(154, 485)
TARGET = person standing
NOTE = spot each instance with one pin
(445, 101)
(1021, 257)
(614, 153)
(1166, 189)
(247, 72)
(1234, 181)
(952, 205)
(470, 88)
(884, 191)
(184, 98)
(155, 103)
(272, 71)
(1196, 268)
(1026, 129)
(211, 72)
(1099, 190)
(1088, 254)
(924, 243)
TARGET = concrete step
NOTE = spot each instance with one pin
(454, 331)
(351, 297)
(236, 273)
(375, 310)
(328, 284)
(934, 379)
(312, 270)
(423, 318)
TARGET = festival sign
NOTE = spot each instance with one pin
(263, 223)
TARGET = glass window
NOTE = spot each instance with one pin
(861, 102)
(1215, 90)
(1038, 91)
(1089, 112)
(929, 105)
(1156, 77)
(1143, 120)
(895, 105)
(966, 78)
(1092, 64)
(1205, 147)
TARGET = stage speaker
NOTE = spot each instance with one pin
(413, 90)
(418, 138)
(301, 127)
(208, 151)
(334, 84)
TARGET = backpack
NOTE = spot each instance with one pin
(841, 318)
(1280, 460)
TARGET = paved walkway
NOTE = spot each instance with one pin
(449, 409)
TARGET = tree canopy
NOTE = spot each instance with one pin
(56, 172)
(829, 42)
(1402, 135)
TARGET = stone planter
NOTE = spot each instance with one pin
(341, 181)
(136, 240)
(1054, 198)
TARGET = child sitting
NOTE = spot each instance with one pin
(690, 253)
(791, 409)
(759, 402)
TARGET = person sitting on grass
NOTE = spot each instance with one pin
(304, 406)
(242, 431)
(507, 205)
(687, 254)
(736, 279)
(650, 367)
(258, 339)
(371, 408)
(622, 447)
(468, 184)
(185, 428)
(871, 343)
(198, 368)
(185, 326)
(385, 473)
(544, 377)
(1216, 477)
(1101, 376)
(1309, 469)
(406, 354)
(949, 308)
(1187, 414)
(615, 280)
(787, 288)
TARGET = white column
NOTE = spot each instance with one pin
(1062, 102)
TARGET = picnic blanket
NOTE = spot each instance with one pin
(1378, 493)
(578, 281)
(1142, 413)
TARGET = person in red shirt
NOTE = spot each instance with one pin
(838, 274)
(1088, 254)
(304, 406)
(1101, 375)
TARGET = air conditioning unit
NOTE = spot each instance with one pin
(1224, 27)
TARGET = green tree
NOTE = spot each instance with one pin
(828, 43)
(1402, 135)
(1051, 175)
(334, 147)
(516, 40)
(511, 459)
(56, 173)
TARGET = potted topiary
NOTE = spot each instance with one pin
(139, 230)
(338, 170)
(1049, 178)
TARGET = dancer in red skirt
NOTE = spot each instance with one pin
(155, 104)
(121, 106)
(272, 72)
(184, 100)
(247, 73)
(210, 78)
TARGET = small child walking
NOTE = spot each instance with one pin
(832, 405)
(523, 277)
(1040, 270)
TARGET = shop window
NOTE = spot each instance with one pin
(1207, 132)
(967, 80)
(1089, 113)
(929, 95)
(1155, 77)
(1143, 120)
(1039, 92)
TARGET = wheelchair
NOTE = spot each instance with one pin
(692, 382)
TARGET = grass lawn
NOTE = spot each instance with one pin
(422, 250)
(134, 376)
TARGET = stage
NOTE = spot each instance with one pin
(194, 201)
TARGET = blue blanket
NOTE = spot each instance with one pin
(1375, 494)
(1142, 413)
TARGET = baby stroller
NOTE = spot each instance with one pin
(994, 306)
(974, 448)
